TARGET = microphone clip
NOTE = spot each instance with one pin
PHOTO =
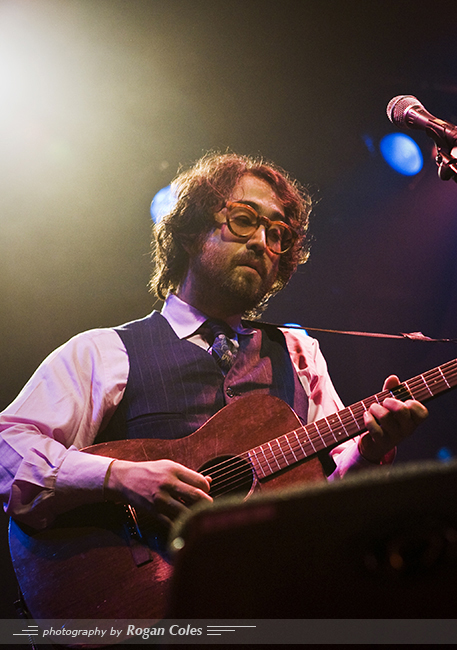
(447, 165)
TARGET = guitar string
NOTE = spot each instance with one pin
(230, 480)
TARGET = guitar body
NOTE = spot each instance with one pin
(93, 564)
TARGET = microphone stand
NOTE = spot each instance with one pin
(447, 165)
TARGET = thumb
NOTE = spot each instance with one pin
(391, 382)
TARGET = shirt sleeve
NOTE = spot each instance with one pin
(323, 400)
(67, 401)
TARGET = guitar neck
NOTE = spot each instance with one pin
(307, 441)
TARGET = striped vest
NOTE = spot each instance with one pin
(175, 386)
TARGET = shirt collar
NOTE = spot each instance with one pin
(185, 319)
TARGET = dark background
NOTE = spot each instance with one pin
(103, 100)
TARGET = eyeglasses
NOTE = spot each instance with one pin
(243, 220)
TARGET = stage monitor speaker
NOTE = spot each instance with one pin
(381, 545)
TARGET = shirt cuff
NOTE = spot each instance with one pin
(351, 460)
(80, 479)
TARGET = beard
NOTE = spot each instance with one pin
(237, 283)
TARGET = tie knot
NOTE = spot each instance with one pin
(219, 328)
(223, 349)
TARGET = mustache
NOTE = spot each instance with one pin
(252, 258)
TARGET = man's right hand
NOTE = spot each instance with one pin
(162, 487)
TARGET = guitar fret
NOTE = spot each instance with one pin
(297, 445)
(281, 442)
(266, 459)
(323, 431)
(332, 422)
(257, 464)
(339, 418)
(310, 440)
(270, 457)
(317, 443)
(325, 423)
(349, 409)
(275, 455)
(444, 378)
(290, 446)
(416, 395)
(446, 370)
(366, 403)
(319, 434)
(401, 392)
(438, 382)
(300, 445)
(426, 385)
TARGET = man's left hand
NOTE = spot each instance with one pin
(389, 423)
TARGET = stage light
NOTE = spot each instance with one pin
(444, 454)
(401, 153)
(162, 203)
(296, 326)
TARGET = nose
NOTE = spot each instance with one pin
(258, 239)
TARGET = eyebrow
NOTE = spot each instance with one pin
(279, 216)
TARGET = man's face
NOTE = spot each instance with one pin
(232, 274)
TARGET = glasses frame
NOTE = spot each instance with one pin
(260, 219)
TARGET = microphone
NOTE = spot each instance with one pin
(406, 110)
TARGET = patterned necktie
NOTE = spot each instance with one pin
(223, 349)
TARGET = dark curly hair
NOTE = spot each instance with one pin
(202, 192)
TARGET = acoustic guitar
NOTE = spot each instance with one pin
(106, 561)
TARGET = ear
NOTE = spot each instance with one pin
(190, 244)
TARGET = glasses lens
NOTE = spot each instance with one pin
(275, 236)
(279, 238)
(243, 221)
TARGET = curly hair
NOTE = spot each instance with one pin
(202, 192)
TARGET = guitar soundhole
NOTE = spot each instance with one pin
(231, 476)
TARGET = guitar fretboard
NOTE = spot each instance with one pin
(307, 441)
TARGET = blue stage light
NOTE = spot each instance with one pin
(296, 326)
(402, 153)
(162, 203)
(444, 454)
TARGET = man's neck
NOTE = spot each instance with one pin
(212, 311)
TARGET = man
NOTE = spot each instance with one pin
(233, 239)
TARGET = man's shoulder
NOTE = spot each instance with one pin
(98, 341)
(299, 343)
(154, 316)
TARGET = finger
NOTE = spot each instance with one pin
(166, 521)
(372, 424)
(166, 506)
(195, 479)
(418, 411)
(187, 494)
